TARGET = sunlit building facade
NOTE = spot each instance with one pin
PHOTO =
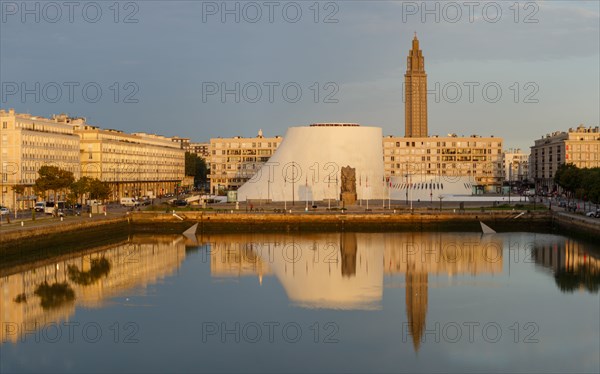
(233, 161)
(29, 142)
(516, 165)
(579, 146)
(135, 164)
(479, 158)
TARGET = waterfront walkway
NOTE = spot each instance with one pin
(23, 228)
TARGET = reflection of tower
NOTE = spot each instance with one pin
(416, 304)
(348, 249)
(415, 88)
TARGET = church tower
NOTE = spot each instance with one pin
(415, 89)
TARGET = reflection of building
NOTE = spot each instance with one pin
(28, 143)
(419, 254)
(235, 259)
(307, 165)
(344, 270)
(137, 263)
(314, 270)
(574, 267)
(580, 146)
(233, 161)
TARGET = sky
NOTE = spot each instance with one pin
(516, 70)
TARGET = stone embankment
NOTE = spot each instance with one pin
(368, 221)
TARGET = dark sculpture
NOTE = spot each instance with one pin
(348, 191)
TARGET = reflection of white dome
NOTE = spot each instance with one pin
(310, 271)
(307, 164)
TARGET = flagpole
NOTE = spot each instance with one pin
(390, 193)
(361, 189)
(337, 202)
(329, 192)
(306, 192)
(367, 186)
(383, 192)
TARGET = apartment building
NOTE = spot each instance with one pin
(27, 143)
(135, 164)
(516, 165)
(579, 146)
(474, 156)
(233, 161)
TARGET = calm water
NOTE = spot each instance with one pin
(335, 302)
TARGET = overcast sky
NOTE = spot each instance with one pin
(166, 63)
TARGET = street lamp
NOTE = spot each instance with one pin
(409, 188)
(440, 197)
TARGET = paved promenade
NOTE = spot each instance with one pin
(23, 228)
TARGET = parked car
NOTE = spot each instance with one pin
(40, 206)
(595, 214)
(180, 203)
(145, 200)
(4, 211)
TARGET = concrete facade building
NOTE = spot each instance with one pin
(431, 159)
(28, 143)
(477, 157)
(200, 149)
(579, 146)
(415, 90)
(135, 164)
(233, 161)
(516, 165)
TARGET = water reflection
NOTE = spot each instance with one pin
(50, 291)
(341, 271)
(574, 268)
(346, 270)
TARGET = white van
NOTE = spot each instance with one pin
(40, 206)
(129, 201)
(50, 205)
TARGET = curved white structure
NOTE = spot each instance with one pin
(429, 187)
(307, 165)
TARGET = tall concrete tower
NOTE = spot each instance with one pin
(415, 89)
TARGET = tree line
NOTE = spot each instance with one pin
(580, 183)
(60, 181)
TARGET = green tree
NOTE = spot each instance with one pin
(80, 188)
(195, 166)
(53, 178)
(581, 183)
(99, 190)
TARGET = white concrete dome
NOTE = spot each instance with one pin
(307, 165)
